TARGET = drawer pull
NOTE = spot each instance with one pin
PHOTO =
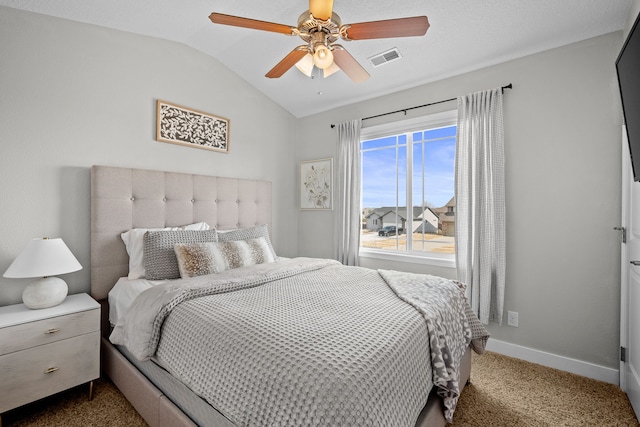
(51, 370)
(52, 331)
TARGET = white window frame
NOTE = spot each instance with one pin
(445, 118)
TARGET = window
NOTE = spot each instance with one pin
(408, 205)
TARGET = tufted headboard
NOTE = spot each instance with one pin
(124, 198)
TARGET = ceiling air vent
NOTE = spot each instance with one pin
(385, 57)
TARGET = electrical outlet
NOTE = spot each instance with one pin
(512, 318)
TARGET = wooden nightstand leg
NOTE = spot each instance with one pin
(90, 394)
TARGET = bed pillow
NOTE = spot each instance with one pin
(247, 233)
(198, 259)
(160, 260)
(134, 242)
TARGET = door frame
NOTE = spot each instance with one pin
(627, 179)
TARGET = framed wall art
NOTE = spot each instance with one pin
(185, 126)
(316, 184)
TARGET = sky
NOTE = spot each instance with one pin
(433, 153)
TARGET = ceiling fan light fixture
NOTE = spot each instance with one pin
(320, 28)
(322, 57)
(305, 65)
(308, 68)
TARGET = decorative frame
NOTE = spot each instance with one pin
(316, 184)
(192, 128)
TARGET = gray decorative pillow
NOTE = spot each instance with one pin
(160, 261)
(134, 243)
(198, 259)
(247, 233)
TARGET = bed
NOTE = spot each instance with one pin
(124, 199)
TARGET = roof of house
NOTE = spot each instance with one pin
(426, 209)
(426, 227)
(418, 212)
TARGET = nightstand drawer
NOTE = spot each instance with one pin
(34, 373)
(32, 334)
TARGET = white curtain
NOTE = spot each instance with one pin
(480, 202)
(347, 194)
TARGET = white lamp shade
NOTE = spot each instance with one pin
(323, 57)
(43, 257)
(305, 65)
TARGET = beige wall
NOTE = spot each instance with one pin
(73, 95)
(562, 124)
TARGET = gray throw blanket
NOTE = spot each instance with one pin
(305, 342)
(451, 323)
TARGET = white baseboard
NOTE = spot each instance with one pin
(550, 360)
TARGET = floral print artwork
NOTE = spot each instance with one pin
(316, 184)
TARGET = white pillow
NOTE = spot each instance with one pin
(123, 293)
(134, 242)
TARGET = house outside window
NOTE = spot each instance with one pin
(409, 163)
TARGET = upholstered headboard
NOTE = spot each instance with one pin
(124, 198)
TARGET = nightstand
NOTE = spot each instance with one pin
(46, 351)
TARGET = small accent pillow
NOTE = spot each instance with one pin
(247, 233)
(134, 243)
(159, 258)
(198, 259)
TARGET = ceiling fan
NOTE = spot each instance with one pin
(320, 27)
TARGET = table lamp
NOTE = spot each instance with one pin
(44, 258)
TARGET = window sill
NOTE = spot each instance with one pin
(444, 261)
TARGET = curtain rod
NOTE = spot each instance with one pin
(404, 110)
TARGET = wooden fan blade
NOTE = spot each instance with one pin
(321, 9)
(401, 27)
(237, 21)
(287, 62)
(349, 65)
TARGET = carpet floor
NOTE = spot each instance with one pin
(503, 392)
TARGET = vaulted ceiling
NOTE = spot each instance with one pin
(464, 35)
